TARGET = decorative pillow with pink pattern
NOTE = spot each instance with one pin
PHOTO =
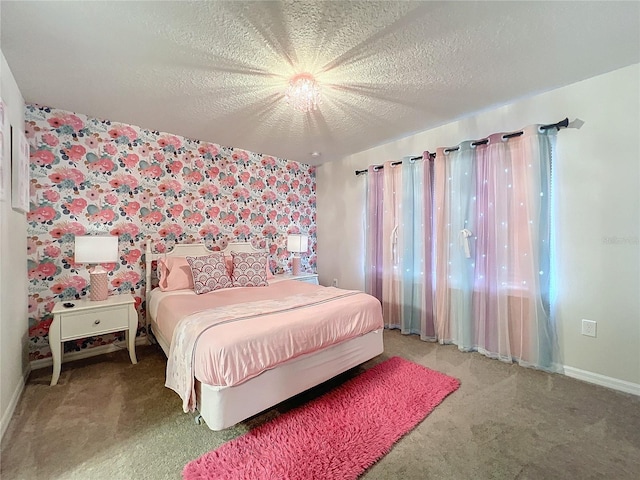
(209, 273)
(249, 269)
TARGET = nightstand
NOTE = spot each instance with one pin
(303, 277)
(88, 319)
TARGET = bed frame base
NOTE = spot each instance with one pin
(222, 407)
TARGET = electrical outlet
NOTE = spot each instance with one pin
(334, 283)
(589, 328)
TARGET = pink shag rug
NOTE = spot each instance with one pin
(336, 436)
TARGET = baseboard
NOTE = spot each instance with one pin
(8, 413)
(603, 380)
(87, 352)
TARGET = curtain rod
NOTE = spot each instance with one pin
(558, 125)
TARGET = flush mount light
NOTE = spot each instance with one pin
(315, 154)
(303, 92)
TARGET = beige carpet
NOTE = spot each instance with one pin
(108, 419)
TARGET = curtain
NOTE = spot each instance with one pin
(415, 236)
(493, 248)
(515, 249)
(373, 233)
(458, 249)
(398, 245)
(455, 218)
(391, 252)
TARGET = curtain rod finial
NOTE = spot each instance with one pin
(577, 123)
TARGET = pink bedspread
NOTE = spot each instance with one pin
(231, 335)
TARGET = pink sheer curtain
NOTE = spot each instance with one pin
(391, 251)
(442, 320)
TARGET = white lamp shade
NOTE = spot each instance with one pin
(96, 249)
(297, 243)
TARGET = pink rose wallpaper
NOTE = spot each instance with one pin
(91, 176)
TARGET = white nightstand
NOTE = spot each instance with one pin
(88, 319)
(303, 277)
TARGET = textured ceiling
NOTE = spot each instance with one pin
(217, 71)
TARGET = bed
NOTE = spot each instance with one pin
(221, 394)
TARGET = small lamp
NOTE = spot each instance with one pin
(297, 244)
(97, 249)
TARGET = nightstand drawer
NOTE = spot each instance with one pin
(303, 277)
(95, 322)
(313, 280)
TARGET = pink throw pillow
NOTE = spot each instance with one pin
(174, 274)
(209, 273)
(249, 269)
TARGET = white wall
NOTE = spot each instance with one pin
(596, 191)
(14, 363)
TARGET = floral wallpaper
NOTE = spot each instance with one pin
(91, 176)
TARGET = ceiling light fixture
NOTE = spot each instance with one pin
(303, 93)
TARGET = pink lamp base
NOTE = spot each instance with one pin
(296, 265)
(99, 286)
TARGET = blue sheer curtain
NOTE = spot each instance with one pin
(456, 224)
(416, 247)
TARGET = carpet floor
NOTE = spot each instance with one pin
(108, 419)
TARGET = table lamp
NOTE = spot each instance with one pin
(97, 249)
(297, 244)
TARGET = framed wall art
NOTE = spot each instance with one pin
(2, 144)
(19, 170)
